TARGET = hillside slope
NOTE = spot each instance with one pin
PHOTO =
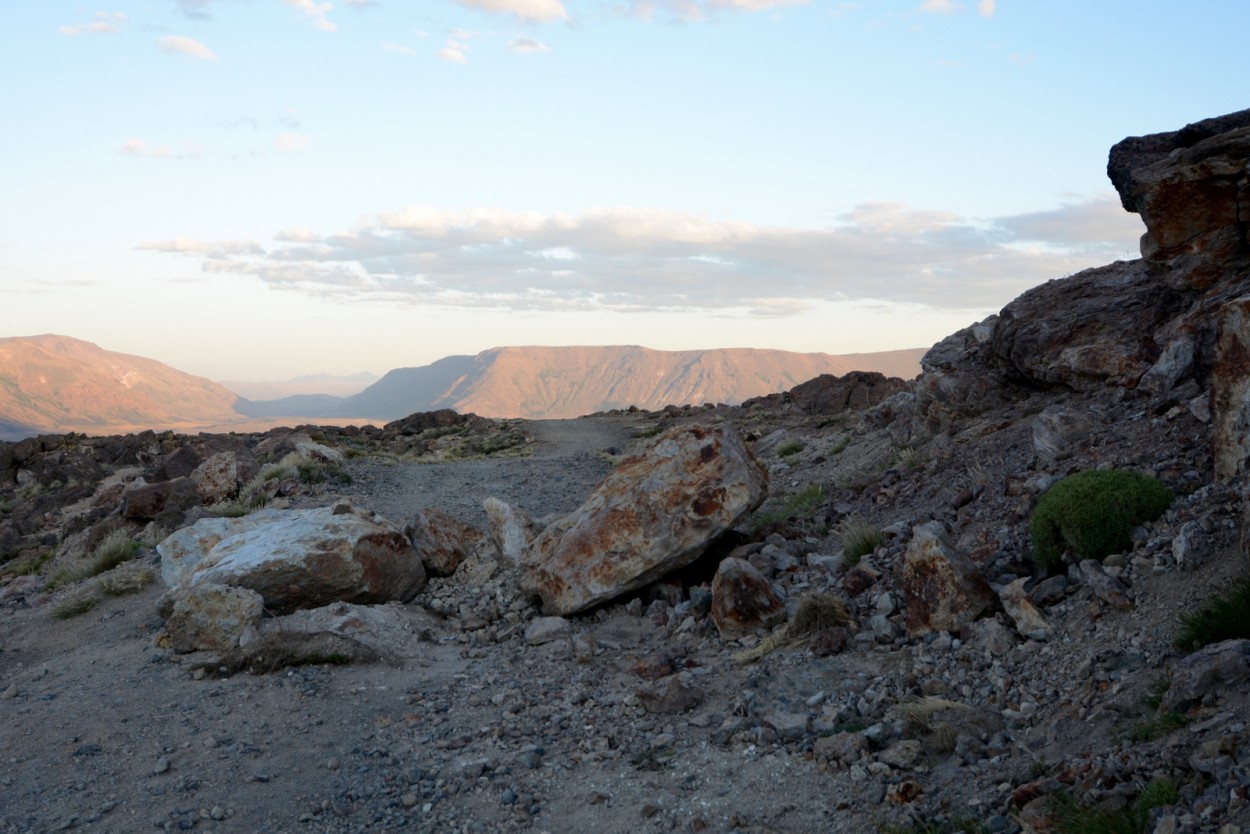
(52, 382)
(562, 382)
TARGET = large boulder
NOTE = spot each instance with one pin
(303, 558)
(510, 528)
(856, 391)
(219, 477)
(1189, 186)
(655, 512)
(443, 541)
(211, 617)
(164, 502)
(183, 551)
(1224, 665)
(944, 590)
(743, 600)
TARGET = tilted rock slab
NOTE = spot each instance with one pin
(301, 558)
(944, 589)
(654, 513)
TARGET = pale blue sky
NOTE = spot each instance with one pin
(264, 188)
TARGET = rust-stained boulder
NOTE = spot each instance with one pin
(302, 558)
(219, 477)
(211, 617)
(944, 590)
(1230, 390)
(1190, 187)
(442, 540)
(654, 513)
(744, 600)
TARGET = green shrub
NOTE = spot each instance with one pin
(1076, 818)
(798, 504)
(790, 447)
(1093, 513)
(1224, 617)
(859, 537)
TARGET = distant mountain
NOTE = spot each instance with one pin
(561, 382)
(308, 385)
(55, 384)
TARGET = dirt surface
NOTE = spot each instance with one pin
(474, 728)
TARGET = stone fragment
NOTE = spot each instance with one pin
(219, 477)
(161, 500)
(442, 540)
(306, 558)
(1049, 591)
(1057, 431)
(1029, 621)
(944, 590)
(511, 529)
(1174, 364)
(843, 748)
(988, 635)
(1191, 545)
(859, 579)
(212, 617)
(1107, 588)
(744, 600)
(671, 698)
(1224, 664)
(548, 629)
(656, 512)
(1230, 389)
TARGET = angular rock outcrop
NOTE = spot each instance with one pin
(944, 590)
(299, 559)
(1224, 664)
(511, 529)
(856, 391)
(212, 617)
(1191, 187)
(442, 540)
(654, 513)
(743, 600)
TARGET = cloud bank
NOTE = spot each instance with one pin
(181, 45)
(627, 259)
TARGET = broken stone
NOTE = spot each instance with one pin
(744, 600)
(1224, 664)
(656, 512)
(511, 529)
(944, 590)
(1029, 621)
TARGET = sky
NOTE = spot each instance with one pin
(259, 189)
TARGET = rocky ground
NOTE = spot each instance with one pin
(951, 684)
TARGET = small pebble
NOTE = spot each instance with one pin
(162, 766)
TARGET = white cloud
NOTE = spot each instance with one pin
(387, 46)
(291, 142)
(102, 23)
(536, 10)
(528, 46)
(316, 12)
(454, 52)
(206, 248)
(360, 5)
(137, 147)
(940, 7)
(986, 8)
(195, 9)
(290, 117)
(186, 46)
(756, 5)
(629, 259)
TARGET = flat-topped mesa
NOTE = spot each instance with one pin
(1192, 189)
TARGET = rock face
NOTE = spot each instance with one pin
(298, 559)
(1190, 187)
(744, 600)
(655, 513)
(858, 390)
(1230, 389)
(944, 590)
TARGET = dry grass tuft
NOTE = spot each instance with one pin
(815, 612)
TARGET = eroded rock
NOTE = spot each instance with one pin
(654, 513)
(743, 600)
(944, 590)
(442, 540)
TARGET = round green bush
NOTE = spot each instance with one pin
(1093, 513)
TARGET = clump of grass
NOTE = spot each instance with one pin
(30, 491)
(840, 447)
(120, 583)
(789, 448)
(649, 431)
(1162, 724)
(909, 457)
(1093, 514)
(1225, 616)
(859, 537)
(798, 504)
(115, 548)
(75, 605)
(26, 565)
(1078, 818)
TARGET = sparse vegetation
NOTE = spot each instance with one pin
(648, 431)
(1224, 617)
(957, 825)
(1078, 818)
(26, 565)
(117, 547)
(798, 504)
(909, 457)
(1093, 514)
(120, 583)
(859, 537)
(789, 448)
(75, 605)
